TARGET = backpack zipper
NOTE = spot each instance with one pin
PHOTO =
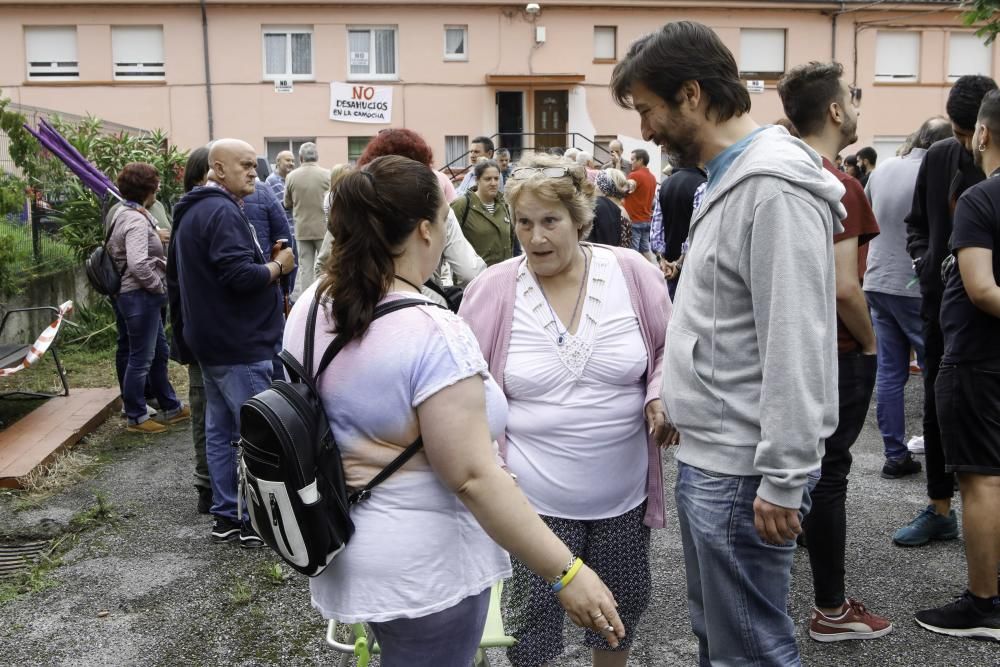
(276, 521)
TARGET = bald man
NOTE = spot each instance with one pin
(232, 313)
(617, 160)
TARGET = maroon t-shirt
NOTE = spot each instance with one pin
(860, 222)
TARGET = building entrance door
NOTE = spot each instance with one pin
(551, 119)
(510, 122)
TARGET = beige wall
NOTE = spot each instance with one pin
(432, 96)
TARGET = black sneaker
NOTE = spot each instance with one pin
(901, 467)
(962, 618)
(204, 499)
(249, 539)
(224, 529)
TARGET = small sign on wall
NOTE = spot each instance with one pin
(755, 86)
(282, 85)
(354, 103)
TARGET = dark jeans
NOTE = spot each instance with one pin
(826, 525)
(940, 484)
(121, 353)
(196, 399)
(448, 638)
(147, 354)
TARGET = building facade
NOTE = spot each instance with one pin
(262, 70)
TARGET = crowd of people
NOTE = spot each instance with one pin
(745, 310)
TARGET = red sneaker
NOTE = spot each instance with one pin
(856, 622)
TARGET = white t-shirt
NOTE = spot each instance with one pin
(576, 433)
(416, 549)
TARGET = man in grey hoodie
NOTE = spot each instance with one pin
(750, 376)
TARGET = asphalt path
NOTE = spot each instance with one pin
(151, 589)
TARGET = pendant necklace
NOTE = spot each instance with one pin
(402, 279)
(561, 336)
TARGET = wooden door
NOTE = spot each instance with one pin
(551, 119)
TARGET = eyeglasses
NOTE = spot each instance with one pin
(550, 172)
(855, 95)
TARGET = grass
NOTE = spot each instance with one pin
(18, 257)
(275, 574)
(241, 593)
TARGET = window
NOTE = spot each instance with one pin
(371, 53)
(897, 56)
(456, 40)
(605, 42)
(968, 55)
(51, 53)
(138, 52)
(275, 146)
(886, 147)
(762, 53)
(455, 147)
(355, 147)
(288, 53)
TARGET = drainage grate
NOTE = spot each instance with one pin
(15, 558)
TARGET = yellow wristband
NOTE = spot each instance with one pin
(568, 577)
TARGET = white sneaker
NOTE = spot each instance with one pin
(916, 444)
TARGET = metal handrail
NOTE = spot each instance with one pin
(573, 137)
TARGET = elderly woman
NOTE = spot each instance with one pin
(137, 251)
(574, 336)
(612, 225)
(430, 540)
(484, 217)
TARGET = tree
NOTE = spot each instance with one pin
(983, 13)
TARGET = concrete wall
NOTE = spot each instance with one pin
(433, 96)
(47, 291)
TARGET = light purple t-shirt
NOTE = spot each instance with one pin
(417, 550)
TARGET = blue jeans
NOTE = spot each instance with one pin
(448, 638)
(898, 328)
(737, 583)
(227, 388)
(640, 236)
(139, 311)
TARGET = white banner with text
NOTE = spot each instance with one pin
(354, 103)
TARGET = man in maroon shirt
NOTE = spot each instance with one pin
(822, 107)
(639, 204)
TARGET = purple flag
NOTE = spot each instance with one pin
(88, 174)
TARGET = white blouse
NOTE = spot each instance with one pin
(576, 432)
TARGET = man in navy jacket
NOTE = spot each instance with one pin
(231, 308)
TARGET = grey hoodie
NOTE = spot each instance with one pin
(750, 366)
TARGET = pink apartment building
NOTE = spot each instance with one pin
(262, 70)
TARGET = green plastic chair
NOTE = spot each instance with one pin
(494, 636)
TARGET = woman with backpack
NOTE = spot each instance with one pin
(430, 540)
(484, 215)
(135, 245)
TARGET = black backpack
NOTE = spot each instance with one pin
(102, 273)
(290, 468)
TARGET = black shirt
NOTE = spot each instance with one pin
(970, 334)
(677, 207)
(607, 223)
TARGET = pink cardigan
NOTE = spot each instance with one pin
(488, 307)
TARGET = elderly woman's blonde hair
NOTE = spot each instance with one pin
(574, 192)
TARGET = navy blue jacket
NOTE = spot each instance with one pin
(267, 217)
(230, 311)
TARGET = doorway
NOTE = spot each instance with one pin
(510, 122)
(551, 119)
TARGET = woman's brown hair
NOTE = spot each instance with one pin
(372, 212)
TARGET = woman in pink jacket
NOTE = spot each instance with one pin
(573, 333)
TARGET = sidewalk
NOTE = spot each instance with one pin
(174, 598)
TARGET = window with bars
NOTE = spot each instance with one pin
(288, 53)
(605, 42)
(455, 146)
(51, 52)
(355, 147)
(275, 146)
(371, 53)
(897, 55)
(138, 52)
(762, 53)
(456, 40)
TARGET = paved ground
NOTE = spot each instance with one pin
(174, 598)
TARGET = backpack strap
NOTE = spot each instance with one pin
(363, 493)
